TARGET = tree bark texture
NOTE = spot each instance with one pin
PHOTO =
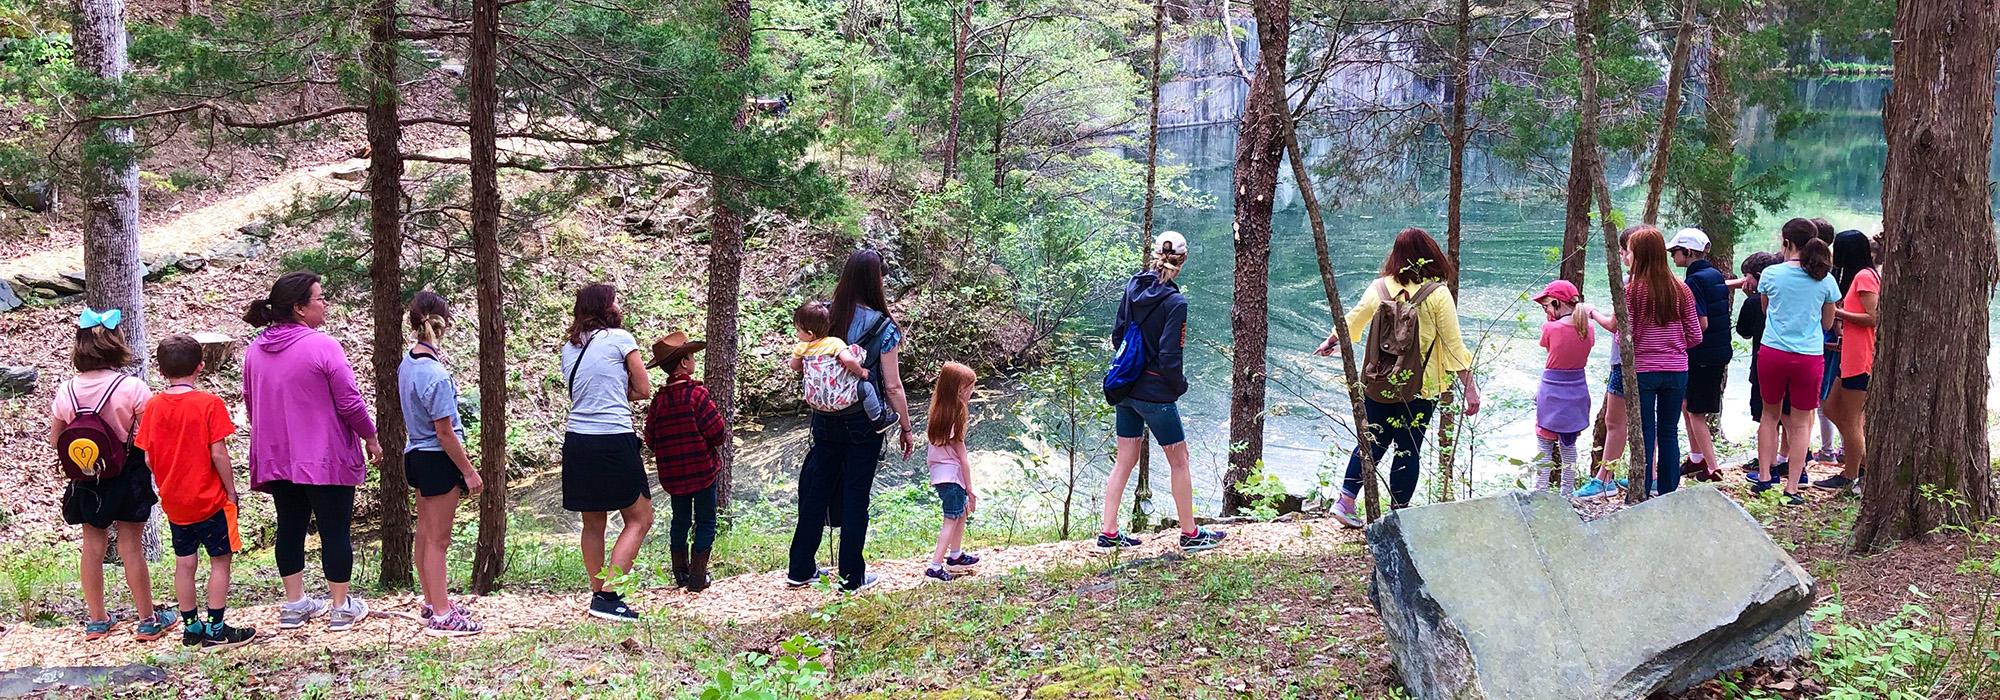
(1371, 492)
(1576, 208)
(1927, 413)
(110, 171)
(1142, 490)
(1715, 203)
(1461, 90)
(110, 181)
(385, 294)
(481, 65)
(958, 50)
(1260, 147)
(725, 262)
(1670, 112)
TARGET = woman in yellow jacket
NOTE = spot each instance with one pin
(1413, 260)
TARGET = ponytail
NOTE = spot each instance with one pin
(290, 291)
(429, 313)
(1817, 259)
(1168, 265)
(1576, 318)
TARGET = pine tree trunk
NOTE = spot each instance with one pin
(1927, 413)
(958, 51)
(1000, 110)
(111, 181)
(1371, 492)
(110, 171)
(481, 67)
(1715, 203)
(1576, 207)
(1260, 148)
(1142, 490)
(1461, 82)
(385, 294)
(1670, 112)
(725, 262)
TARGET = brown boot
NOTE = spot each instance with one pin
(697, 573)
(680, 553)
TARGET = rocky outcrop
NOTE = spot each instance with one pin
(17, 381)
(1512, 596)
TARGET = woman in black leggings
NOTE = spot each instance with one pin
(311, 441)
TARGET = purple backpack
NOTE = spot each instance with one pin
(89, 450)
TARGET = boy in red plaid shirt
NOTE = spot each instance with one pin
(685, 432)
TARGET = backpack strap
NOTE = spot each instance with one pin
(870, 359)
(587, 340)
(1424, 292)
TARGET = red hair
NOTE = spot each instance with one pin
(948, 413)
(1415, 257)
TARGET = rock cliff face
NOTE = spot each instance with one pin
(1512, 596)
(1205, 86)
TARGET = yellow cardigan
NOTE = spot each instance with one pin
(1437, 329)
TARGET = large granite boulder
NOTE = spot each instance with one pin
(1514, 597)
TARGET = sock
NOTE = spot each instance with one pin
(188, 617)
(215, 615)
(937, 565)
(1113, 534)
(1190, 534)
(956, 553)
(1545, 453)
(1695, 458)
(1541, 478)
(1567, 451)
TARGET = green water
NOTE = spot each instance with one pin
(1512, 226)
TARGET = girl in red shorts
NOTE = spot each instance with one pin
(1799, 297)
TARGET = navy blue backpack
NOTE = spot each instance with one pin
(1129, 361)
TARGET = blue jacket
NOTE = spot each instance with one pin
(1161, 313)
(1711, 299)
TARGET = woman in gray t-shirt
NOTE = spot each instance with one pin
(601, 466)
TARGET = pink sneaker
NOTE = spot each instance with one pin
(452, 624)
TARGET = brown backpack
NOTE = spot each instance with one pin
(1392, 369)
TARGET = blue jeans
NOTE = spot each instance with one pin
(1660, 395)
(1164, 418)
(1402, 425)
(694, 512)
(835, 485)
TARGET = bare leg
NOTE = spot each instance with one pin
(1615, 435)
(1767, 439)
(184, 568)
(434, 519)
(218, 582)
(1183, 484)
(295, 586)
(95, 541)
(638, 520)
(950, 535)
(1846, 406)
(1114, 485)
(1799, 422)
(337, 593)
(593, 547)
(132, 548)
(1699, 440)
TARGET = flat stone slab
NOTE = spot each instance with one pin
(22, 682)
(1514, 597)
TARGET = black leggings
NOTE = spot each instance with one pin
(695, 511)
(333, 508)
(1401, 425)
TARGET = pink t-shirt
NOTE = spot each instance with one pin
(947, 462)
(1567, 350)
(1857, 342)
(121, 410)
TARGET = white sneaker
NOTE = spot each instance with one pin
(293, 614)
(345, 617)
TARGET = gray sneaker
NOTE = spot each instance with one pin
(345, 617)
(294, 614)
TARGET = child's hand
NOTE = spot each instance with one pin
(1329, 348)
(971, 502)
(473, 484)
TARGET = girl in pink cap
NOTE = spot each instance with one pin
(1562, 404)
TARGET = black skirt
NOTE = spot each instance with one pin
(126, 498)
(602, 473)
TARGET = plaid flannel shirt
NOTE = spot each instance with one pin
(684, 430)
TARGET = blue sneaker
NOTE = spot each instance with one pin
(1117, 541)
(1595, 488)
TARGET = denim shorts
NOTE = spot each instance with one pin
(953, 496)
(1134, 416)
(1615, 386)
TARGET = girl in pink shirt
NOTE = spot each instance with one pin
(951, 472)
(1562, 404)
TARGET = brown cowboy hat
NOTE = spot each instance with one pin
(668, 351)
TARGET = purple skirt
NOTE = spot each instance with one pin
(1562, 404)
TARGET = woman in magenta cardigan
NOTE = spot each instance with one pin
(308, 430)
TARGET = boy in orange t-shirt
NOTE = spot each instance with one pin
(183, 433)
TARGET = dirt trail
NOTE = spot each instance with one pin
(741, 600)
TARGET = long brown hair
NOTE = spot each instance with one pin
(1814, 255)
(1415, 257)
(948, 414)
(593, 312)
(860, 285)
(1653, 276)
(428, 315)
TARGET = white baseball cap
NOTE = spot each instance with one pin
(1171, 242)
(1691, 239)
